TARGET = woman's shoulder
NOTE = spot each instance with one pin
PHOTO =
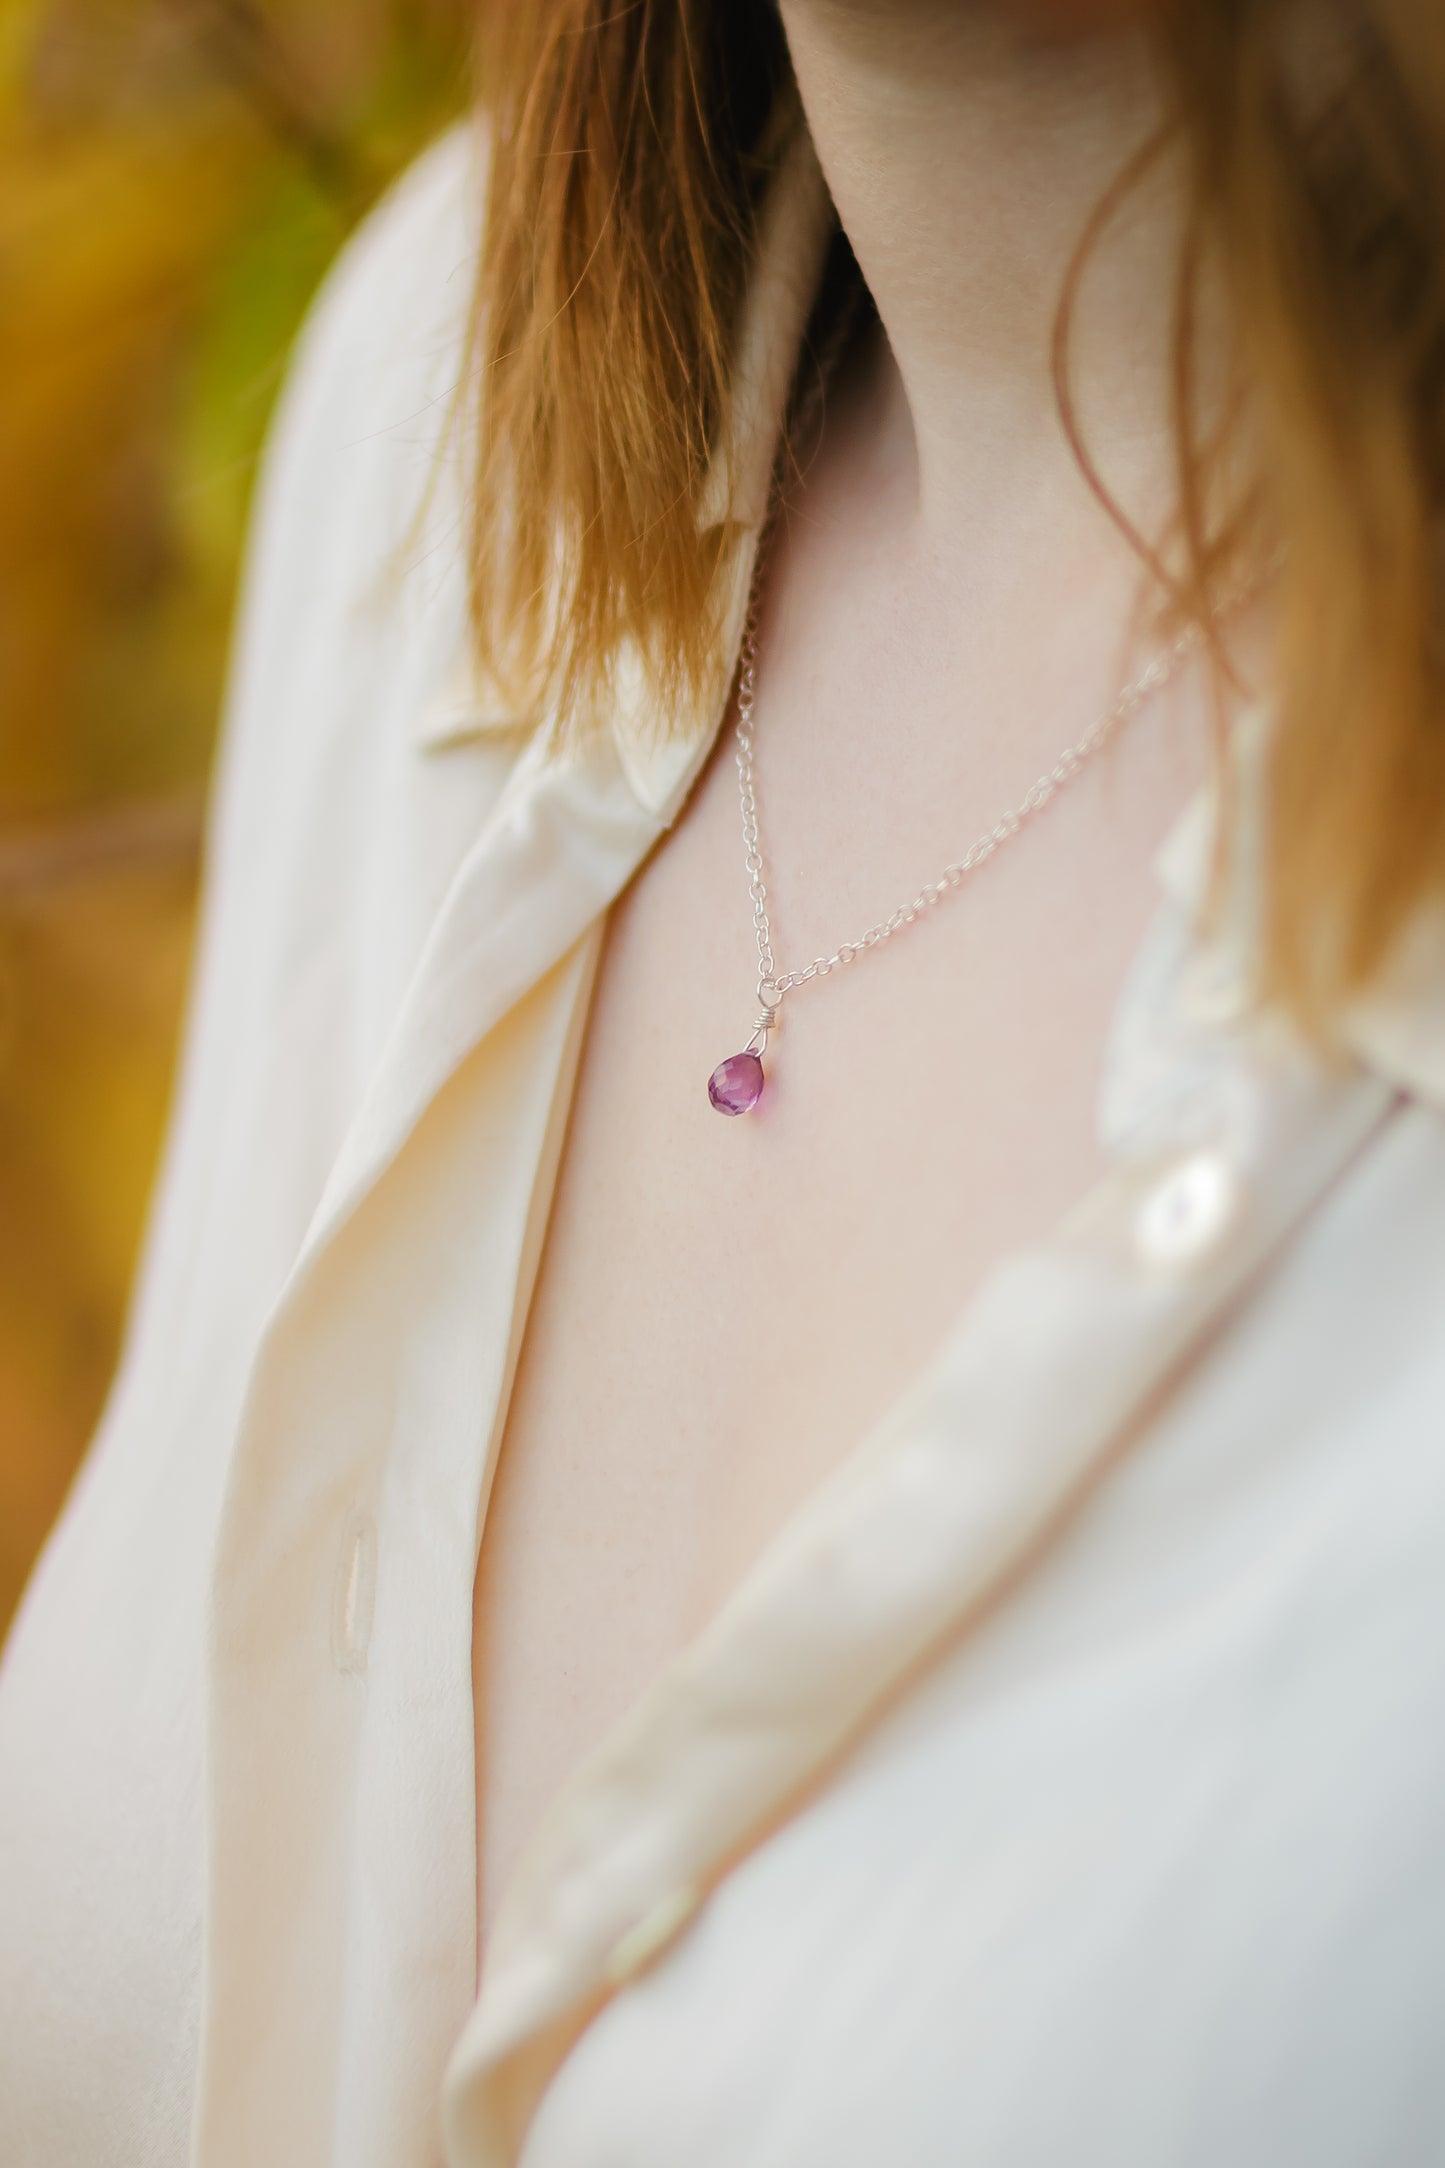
(354, 578)
(399, 292)
(425, 222)
(372, 378)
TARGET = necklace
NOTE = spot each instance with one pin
(736, 1084)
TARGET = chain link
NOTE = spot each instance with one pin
(774, 984)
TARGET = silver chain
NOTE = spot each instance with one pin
(772, 983)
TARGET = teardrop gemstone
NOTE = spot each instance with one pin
(736, 1085)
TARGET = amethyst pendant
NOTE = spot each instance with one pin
(736, 1085)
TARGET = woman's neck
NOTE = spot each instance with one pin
(965, 153)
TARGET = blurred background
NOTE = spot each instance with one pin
(175, 176)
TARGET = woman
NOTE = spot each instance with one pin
(905, 1626)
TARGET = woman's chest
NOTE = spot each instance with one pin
(724, 1307)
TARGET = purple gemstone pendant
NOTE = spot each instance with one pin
(736, 1085)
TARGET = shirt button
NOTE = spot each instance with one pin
(1189, 1211)
(652, 1933)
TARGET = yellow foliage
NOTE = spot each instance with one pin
(174, 176)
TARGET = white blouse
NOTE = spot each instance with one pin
(1066, 1782)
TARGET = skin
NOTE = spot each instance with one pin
(724, 1308)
